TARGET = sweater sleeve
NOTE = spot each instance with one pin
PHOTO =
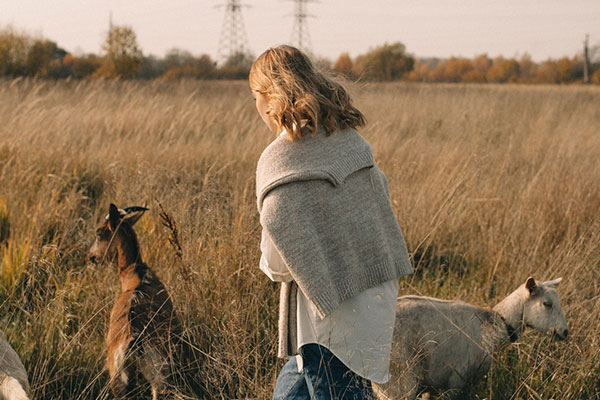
(271, 262)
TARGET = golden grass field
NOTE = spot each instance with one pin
(490, 184)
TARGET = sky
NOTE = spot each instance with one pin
(428, 28)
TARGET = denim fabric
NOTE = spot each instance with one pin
(290, 384)
(324, 377)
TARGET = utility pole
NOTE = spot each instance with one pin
(586, 60)
(300, 36)
(233, 41)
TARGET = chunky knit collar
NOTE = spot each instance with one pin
(332, 158)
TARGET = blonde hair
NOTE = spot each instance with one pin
(299, 96)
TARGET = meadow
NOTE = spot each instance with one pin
(490, 184)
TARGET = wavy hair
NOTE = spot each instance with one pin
(300, 98)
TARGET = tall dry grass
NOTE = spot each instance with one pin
(490, 184)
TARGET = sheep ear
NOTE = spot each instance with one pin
(531, 285)
(553, 282)
(114, 216)
(133, 214)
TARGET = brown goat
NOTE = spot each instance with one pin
(144, 334)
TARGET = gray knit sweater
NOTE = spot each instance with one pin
(325, 204)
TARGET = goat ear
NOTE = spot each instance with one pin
(531, 285)
(553, 282)
(114, 216)
(133, 214)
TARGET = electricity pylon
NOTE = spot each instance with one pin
(233, 41)
(300, 35)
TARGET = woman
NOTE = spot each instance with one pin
(328, 230)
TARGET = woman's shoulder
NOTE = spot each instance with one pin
(321, 156)
(315, 149)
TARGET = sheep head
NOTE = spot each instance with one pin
(542, 310)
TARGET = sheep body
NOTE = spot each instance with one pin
(14, 384)
(445, 345)
(441, 344)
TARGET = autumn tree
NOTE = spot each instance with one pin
(596, 77)
(177, 57)
(547, 72)
(503, 70)
(322, 63)
(564, 69)
(42, 56)
(421, 71)
(344, 65)
(152, 67)
(14, 47)
(123, 57)
(456, 68)
(474, 76)
(182, 64)
(237, 66)
(482, 63)
(385, 63)
(478, 73)
(437, 73)
(527, 69)
(83, 66)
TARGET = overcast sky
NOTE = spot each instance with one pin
(428, 28)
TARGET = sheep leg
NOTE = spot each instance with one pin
(456, 383)
(154, 366)
(404, 388)
(409, 387)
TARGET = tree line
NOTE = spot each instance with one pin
(24, 55)
(389, 62)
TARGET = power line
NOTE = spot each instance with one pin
(300, 34)
(233, 41)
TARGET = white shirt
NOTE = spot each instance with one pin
(359, 332)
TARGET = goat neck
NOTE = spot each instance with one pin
(132, 276)
(128, 251)
(511, 311)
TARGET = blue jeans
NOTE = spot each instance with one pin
(324, 377)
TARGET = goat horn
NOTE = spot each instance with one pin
(128, 210)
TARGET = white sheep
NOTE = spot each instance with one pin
(14, 384)
(445, 345)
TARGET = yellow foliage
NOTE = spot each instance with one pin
(4, 221)
(13, 261)
(527, 69)
(564, 68)
(473, 76)
(123, 55)
(343, 65)
(13, 51)
(482, 63)
(384, 63)
(596, 77)
(503, 70)
(547, 73)
(106, 70)
(456, 68)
